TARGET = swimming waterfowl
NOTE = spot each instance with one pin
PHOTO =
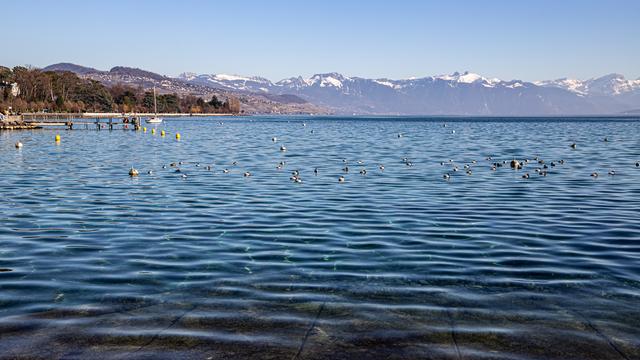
(381, 167)
(469, 172)
(363, 171)
(164, 166)
(150, 172)
(360, 162)
(637, 164)
(18, 145)
(247, 174)
(594, 174)
(612, 172)
(172, 164)
(234, 163)
(400, 135)
(341, 179)
(315, 171)
(525, 176)
(283, 148)
(515, 164)
(446, 176)
(561, 161)
(295, 173)
(184, 176)
(133, 172)
(409, 163)
(573, 146)
(346, 169)
(208, 168)
(225, 171)
(606, 139)
(274, 139)
(493, 167)
(178, 170)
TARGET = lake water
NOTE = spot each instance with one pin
(399, 263)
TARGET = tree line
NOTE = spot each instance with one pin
(56, 91)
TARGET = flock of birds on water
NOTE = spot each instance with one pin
(515, 164)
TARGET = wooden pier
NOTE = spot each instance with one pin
(98, 121)
(79, 121)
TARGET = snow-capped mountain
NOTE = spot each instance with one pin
(608, 85)
(232, 82)
(455, 94)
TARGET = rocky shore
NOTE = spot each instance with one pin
(17, 125)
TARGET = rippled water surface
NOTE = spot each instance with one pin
(397, 263)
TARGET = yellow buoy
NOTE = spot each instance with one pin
(57, 138)
(177, 136)
(144, 129)
(153, 131)
(162, 133)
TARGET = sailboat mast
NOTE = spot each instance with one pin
(155, 105)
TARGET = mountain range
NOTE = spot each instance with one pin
(454, 94)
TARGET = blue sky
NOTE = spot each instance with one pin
(526, 40)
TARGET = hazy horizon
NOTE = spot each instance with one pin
(507, 40)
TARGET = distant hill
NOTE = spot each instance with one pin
(77, 69)
(135, 72)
